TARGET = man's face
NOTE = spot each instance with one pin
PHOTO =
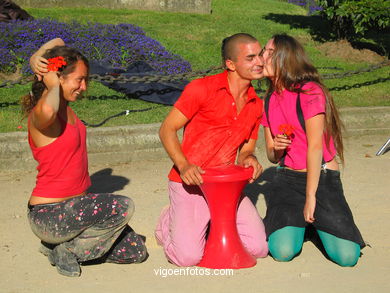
(249, 63)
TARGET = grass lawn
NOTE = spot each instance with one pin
(197, 38)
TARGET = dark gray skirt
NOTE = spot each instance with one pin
(332, 213)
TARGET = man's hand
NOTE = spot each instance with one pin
(191, 174)
(251, 161)
(308, 210)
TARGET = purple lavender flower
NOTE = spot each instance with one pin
(119, 45)
(310, 4)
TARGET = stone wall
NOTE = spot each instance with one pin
(192, 6)
(124, 144)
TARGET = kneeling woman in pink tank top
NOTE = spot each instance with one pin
(74, 226)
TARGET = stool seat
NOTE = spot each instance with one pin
(227, 173)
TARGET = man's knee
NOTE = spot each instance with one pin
(257, 248)
(185, 256)
(184, 249)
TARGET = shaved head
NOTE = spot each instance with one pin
(230, 46)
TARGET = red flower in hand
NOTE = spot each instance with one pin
(56, 63)
(286, 129)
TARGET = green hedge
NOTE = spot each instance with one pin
(351, 18)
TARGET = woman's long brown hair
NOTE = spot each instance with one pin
(292, 69)
(71, 57)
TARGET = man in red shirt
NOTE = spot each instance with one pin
(221, 115)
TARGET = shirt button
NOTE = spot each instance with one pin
(235, 118)
(233, 104)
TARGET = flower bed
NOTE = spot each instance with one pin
(118, 45)
(310, 4)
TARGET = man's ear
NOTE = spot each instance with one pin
(230, 65)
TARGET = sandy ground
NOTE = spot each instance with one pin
(366, 181)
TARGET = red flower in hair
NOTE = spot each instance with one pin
(56, 63)
(286, 129)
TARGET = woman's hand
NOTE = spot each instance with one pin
(51, 79)
(38, 65)
(308, 210)
(281, 142)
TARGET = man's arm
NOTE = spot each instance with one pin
(246, 158)
(189, 173)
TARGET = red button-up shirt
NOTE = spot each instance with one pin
(215, 131)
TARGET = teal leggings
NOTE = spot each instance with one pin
(287, 242)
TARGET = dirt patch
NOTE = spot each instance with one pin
(11, 76)
(343, 50)
(304, 39)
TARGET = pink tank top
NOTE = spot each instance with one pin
(62, 164)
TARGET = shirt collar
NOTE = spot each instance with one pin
(223, 84)
(223, 81)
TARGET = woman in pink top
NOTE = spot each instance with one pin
(74, 226)
(303, 135)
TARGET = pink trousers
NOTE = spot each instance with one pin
(182, 226)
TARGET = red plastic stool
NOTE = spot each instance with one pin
(222, 188)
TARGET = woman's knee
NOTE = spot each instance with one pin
(282, 251)
(346, 258)
(344, 252)
(284, 244)
(124, 207)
